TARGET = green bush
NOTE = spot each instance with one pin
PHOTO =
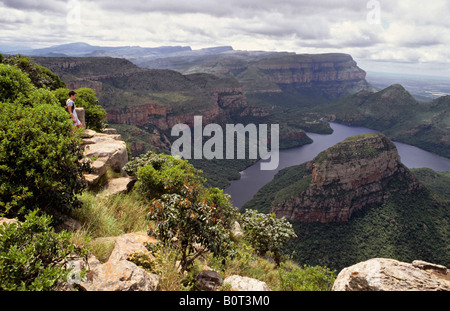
(15, 85)
(307, 279)
(39, 159)
(32, 256)
(40, 76)
(159, 174)
(266, 233)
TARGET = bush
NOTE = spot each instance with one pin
(159, 174)
(187, 219)
(15, 85)
(39, 160)
(306, 279)
(40, 77)
(266, 233)
(32, 256)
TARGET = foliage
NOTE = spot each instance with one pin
(15, 85)
(32, 256)
(159, 174)
(39, 152)
(307, 279)
(266, 233)
(86, 98)
(40, 76)
(186, 219)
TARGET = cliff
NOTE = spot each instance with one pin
(362, 170)
(333, 74)
(158, 98)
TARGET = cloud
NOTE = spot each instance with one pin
(406, 31)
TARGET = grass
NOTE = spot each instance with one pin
(103, 219)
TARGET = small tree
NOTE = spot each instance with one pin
(266, 233)
(186, 220)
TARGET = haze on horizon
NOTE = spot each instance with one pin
(405, 36)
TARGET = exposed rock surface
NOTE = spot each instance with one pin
(382, 274)
(243, 283)
(118, 273)
(357, 172)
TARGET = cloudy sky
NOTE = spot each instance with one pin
(405, 36)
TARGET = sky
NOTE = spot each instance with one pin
(404, 36)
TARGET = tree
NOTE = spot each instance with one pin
(266, 233)
(190, 223)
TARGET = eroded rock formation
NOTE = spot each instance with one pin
(360, 171)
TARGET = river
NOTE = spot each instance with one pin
(252, 179)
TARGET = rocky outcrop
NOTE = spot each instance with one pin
(360, 171)
(106, 149)
(382, 274)
(118, 273)
(243, 283)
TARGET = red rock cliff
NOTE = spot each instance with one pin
(358, 172)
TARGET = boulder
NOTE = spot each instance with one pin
(243, 283)
(381, 274)
(208, 280)
(131, 243)
(118, 273)
(118, 186)
(121, 275)
(107, 148)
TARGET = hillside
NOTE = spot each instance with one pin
(352, 203)
(394, 112)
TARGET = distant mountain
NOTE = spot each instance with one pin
(80, 49)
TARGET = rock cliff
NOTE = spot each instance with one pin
(360, 171)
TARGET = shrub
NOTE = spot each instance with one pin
(159, 174)
(32, 256)
(15, 85)
(39, 160)
(40, 76)
(266, 233)
(185, 219)
(307, 279)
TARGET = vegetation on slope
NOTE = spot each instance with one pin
(34, 257)
(406, 228)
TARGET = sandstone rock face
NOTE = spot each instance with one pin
(382, 274)
(106, 148)
(119, 274)
(243, 283)
(360, 171)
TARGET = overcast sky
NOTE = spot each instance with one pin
(406, 36)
